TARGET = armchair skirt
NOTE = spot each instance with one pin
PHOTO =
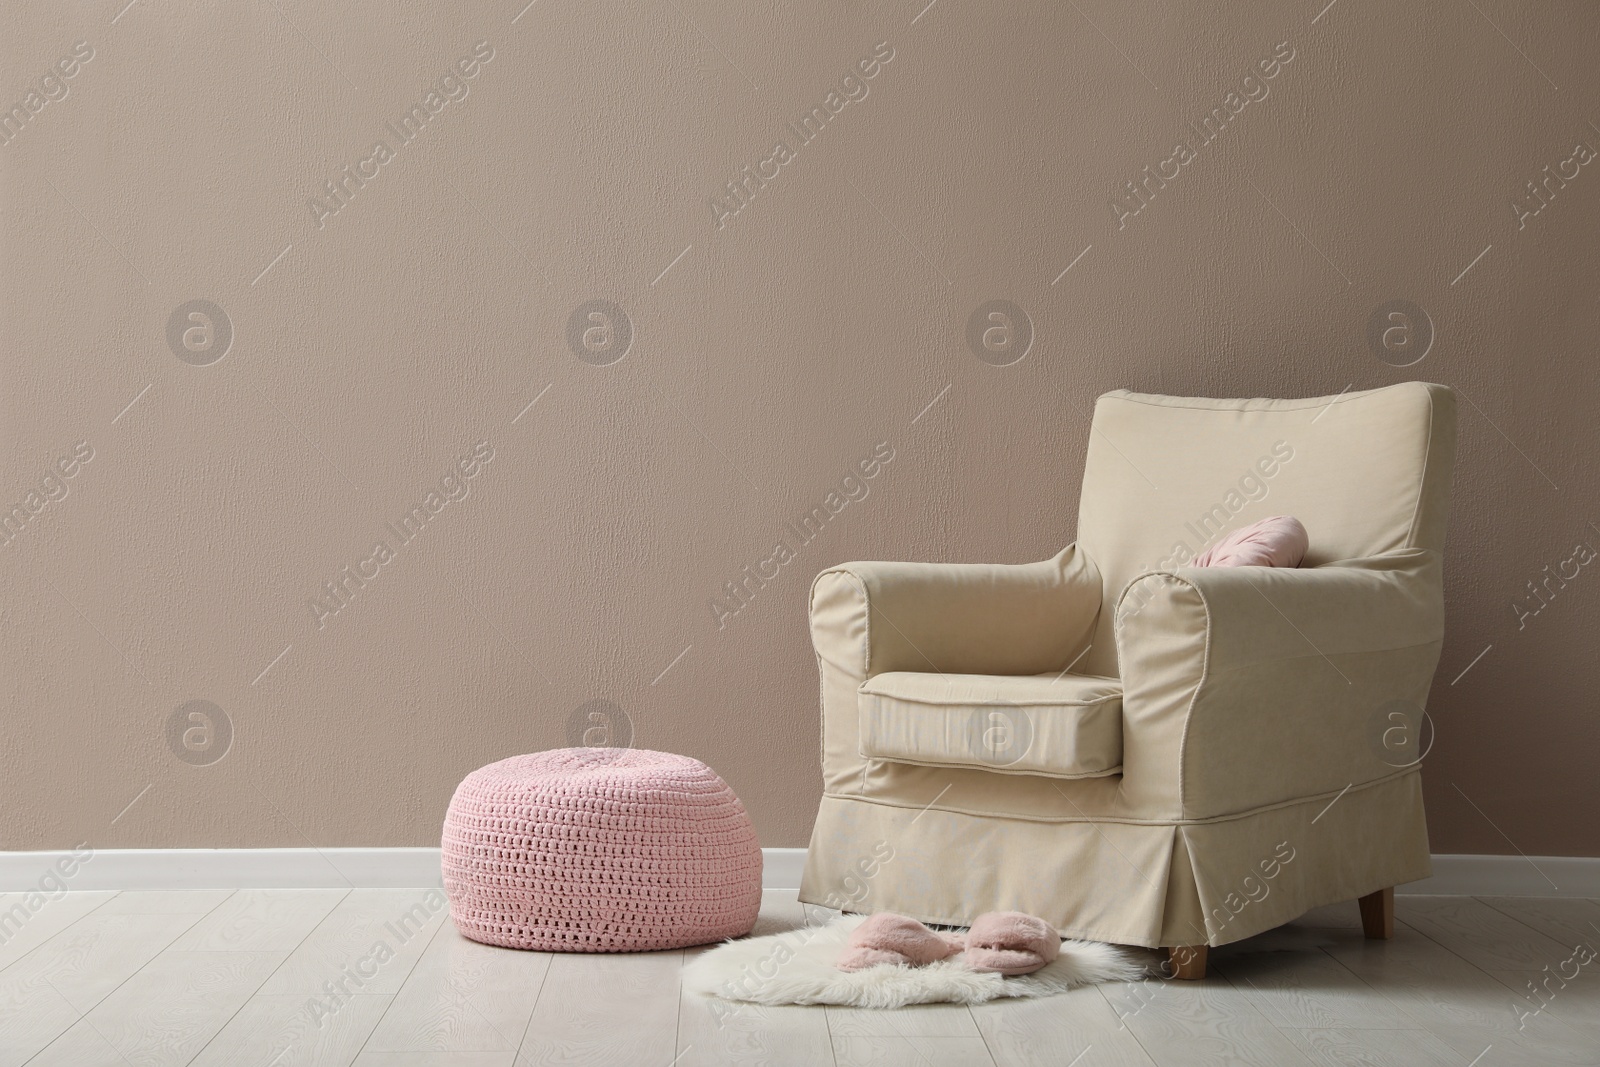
(1126, 882)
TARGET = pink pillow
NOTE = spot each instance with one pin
(1276, 542)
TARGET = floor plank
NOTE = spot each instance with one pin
(462, 997)
(504, 1058)
(914, 1020)
(712, 1031)
(1481, 935)
(90, 958)
(31, 1016)
(782, 911)
(166, 901)
(167, 1012)
(1575, 1001)
(1343, 916)
(605, 1009)
(1374, 1048)
(719, 1032)
(1079, 1025)
(1207, 1022)
(906, 1051)
(1305, 990)
(283, 1031)
(261, 920)
(917, 1033)
(1460, 1004)
(369, 943)
(278, 978)
(25, 924)
(79, 1046)
(1570, 921)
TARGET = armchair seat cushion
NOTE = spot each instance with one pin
(1052, 725)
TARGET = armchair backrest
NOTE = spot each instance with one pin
(1366, 473)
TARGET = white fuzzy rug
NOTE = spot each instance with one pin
(797, 968)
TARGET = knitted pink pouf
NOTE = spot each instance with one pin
(600, 850)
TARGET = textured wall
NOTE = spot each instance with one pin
(408, 327)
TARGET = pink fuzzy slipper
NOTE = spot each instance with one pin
(1011, 943)
(889, 938)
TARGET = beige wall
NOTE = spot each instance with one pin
(773, 349)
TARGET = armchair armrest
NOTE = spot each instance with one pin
(956, 618)
(1249, 686)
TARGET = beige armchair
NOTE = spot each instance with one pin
(1139, 751)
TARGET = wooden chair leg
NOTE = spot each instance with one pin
(1188, 962)
(1377, 914)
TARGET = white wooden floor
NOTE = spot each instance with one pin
(243, 979)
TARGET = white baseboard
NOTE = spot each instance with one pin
(270, 868)
(781, 867)
(227, 868)
(1510, 876)
(388, 868)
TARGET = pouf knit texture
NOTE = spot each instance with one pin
(600, 850)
